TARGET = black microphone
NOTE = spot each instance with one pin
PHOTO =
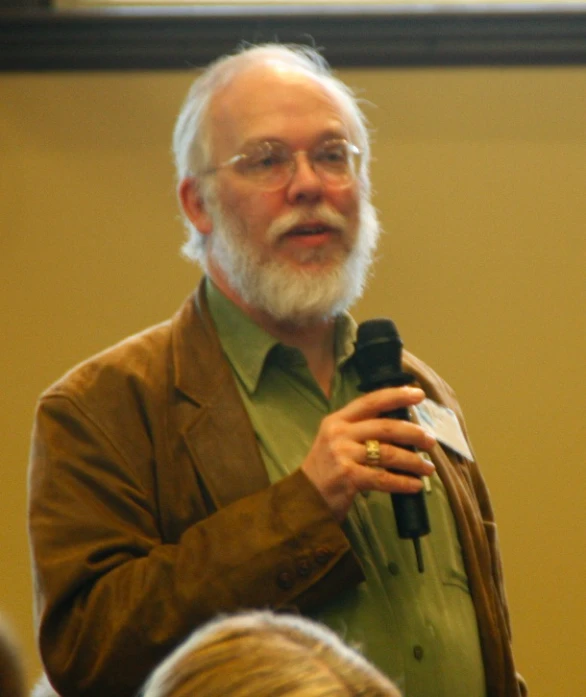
(377, 358)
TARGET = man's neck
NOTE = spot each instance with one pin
(315, 338)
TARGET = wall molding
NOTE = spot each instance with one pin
(364, 36)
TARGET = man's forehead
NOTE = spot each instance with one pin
(250, 85)
(273, 91)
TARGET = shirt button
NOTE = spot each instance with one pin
(393, 568)
(418, 652)
(322, 555)
(285, 580)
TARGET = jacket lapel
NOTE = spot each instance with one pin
(215, 425)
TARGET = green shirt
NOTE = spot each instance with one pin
(418, 628)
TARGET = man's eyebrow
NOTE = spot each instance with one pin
(321, 138)
(261, 140)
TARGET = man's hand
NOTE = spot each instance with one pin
(336, 463)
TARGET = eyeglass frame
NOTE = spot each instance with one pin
(292, 163)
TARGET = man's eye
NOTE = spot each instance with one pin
(266, 160)
(335, 155)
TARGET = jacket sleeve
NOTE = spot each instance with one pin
(112, 596)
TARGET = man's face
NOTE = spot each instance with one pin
(296, 238)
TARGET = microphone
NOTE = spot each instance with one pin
(378, 362)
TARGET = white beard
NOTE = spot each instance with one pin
(289, 292)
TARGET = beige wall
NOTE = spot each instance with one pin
(480, 182)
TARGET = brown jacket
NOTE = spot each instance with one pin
(151, 511)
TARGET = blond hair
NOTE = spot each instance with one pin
(266, 655)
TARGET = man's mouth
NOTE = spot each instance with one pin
(310, 230)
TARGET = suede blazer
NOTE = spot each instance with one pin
(150, 511)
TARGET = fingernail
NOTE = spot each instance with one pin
(425, 457)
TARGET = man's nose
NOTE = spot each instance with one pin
(305, 184)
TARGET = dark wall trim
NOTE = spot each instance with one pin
(363, 36)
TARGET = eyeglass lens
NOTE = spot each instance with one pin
(272, 163)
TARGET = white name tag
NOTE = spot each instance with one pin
(442, 423)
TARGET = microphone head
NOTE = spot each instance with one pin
(380, 329)
(377, 355)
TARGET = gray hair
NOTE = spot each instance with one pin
(12, 675)
(265, 654)
(191, 137)
(43, 688)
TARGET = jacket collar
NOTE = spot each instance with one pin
(199, 366)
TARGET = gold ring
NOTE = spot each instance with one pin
(372, 453)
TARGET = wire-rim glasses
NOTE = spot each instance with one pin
(271, 164)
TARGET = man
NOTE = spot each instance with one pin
(219, 461)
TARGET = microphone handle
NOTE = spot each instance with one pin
(410, 509)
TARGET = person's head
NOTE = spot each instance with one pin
(43, 688)
(266, 655)
(272, 157)
(12, 677)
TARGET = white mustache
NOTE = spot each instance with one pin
(287, 221)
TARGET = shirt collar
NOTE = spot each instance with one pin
(247, 345)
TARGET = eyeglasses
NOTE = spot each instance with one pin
(271, 164)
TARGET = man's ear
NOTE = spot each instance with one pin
(193, 205)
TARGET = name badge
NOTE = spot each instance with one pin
(442, 423)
